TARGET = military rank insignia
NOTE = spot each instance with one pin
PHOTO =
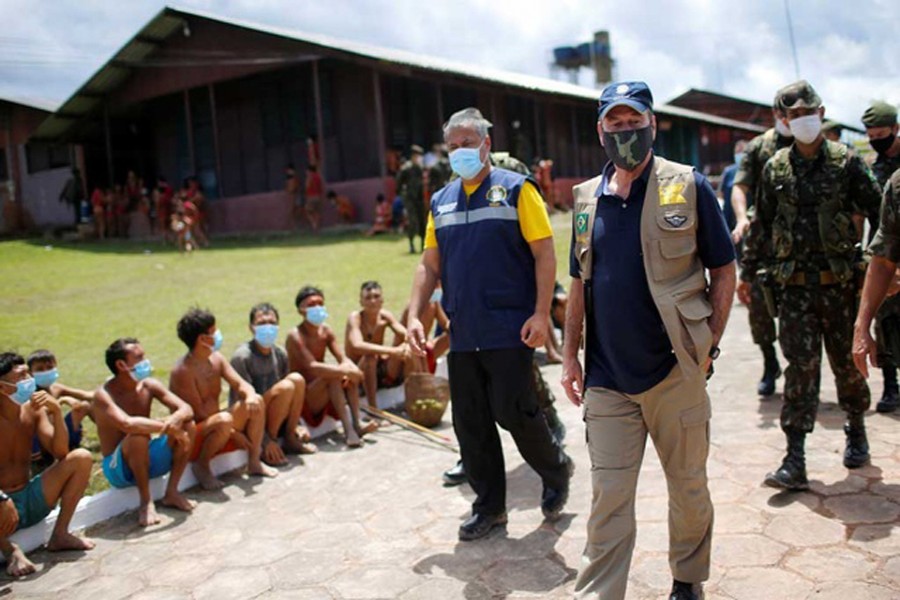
(496, 196)
(671, 194)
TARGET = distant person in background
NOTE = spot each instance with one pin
(292, 186)
(382, 222)
(411, 187)
(312, 150)
(832, 130)
(439, 172)
(726, 184)
(163, 195)
(314, 189)
(398, 214)
(345, 209)
(193, 196)
(73, 194)
(98, 209)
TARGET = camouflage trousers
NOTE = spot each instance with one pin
(762, 325)
(415, 216)
(890, 308)
(808, 316)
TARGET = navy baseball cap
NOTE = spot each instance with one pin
(633, 94)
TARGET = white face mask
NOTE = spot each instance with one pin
(806, 129)
(782, 129)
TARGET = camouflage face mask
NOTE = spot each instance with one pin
(628, 149)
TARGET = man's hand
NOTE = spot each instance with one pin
(534, 331)
(415, 335)
(351, 372)
(573, 380)
(180, 436)
(743, 292)
(9, 518)
(42, 399)
(740, 230)
(864, 346)
(254, 403)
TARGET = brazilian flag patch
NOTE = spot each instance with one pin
(581, 223)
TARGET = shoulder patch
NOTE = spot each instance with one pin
(671, 194)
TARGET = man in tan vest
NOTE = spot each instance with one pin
(645, 232)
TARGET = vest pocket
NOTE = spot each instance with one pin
(696, 336)
(675, 256)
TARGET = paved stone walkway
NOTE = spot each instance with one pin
(376, 522)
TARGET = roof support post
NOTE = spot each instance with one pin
(320, 121)
(379, 124)
(215, 132)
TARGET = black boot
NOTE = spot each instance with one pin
(890, 399)
(771, 372)
(856, 453)
(791, 475)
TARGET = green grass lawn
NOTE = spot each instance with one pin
(76, 298)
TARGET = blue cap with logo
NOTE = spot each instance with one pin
(633, 94)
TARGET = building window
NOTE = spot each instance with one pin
(43, 157)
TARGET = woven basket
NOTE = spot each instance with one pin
(422, 387)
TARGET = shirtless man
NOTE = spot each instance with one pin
(197, 378)
(122, 413)
(265, 365)
(382, 365)
(329, 387)
(24, 413)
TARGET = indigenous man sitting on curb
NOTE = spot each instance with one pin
(329, 387)
(122, 411)
(265, 365)
(24, 413)
(383, 365)
(197, 378)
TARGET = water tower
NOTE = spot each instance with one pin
(597, 55)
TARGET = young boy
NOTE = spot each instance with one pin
(329, 387)
(382, 365)
(43, 367)
(265, 365)
(24, 413)
(122, 412)
(197, 378)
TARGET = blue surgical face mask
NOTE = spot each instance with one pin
(24, 389)
(738, 157)
(265, 335)
(44, 379)
(141, 370)
(436, 295)
(217, 341)
(466, 162)
(316, 314)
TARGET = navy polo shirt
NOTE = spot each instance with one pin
(629, 348)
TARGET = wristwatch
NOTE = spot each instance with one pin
(3, 497)
(714, 352)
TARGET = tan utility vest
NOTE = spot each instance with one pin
(675, 274)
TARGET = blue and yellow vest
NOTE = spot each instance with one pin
(487, 269)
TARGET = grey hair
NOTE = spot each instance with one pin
(470, 118)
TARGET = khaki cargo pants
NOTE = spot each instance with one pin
(676, 414)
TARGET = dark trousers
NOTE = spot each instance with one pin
(496, 387)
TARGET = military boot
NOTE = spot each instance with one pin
(890, 399)
(856, 453)
(771, 372)
(791, 475)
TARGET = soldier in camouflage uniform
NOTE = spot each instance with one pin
(881, 276)
(810, 193)
(411, 187)
(880, 121)
(745, 195)
(440, 172)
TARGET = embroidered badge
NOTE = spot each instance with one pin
(497, 195)
(445, 208)
(581, 223)
(671, 194)
(675, 220)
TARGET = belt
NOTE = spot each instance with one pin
(813, 278)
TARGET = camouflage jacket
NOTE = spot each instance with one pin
(886, 242)
(883, 167)
(805, 212)
(439, 175)
(756, 153)
(410, 181)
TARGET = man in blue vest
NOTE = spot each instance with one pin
(489, 241)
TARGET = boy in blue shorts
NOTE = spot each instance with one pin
(122, 413)
(24, 413)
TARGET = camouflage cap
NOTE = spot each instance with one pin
(880, 114)
(416, 149)
(829, 125)
(799, 94)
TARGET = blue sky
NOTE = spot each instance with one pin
(850, 51)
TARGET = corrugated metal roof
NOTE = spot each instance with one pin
(85, 102)
(31, 102)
